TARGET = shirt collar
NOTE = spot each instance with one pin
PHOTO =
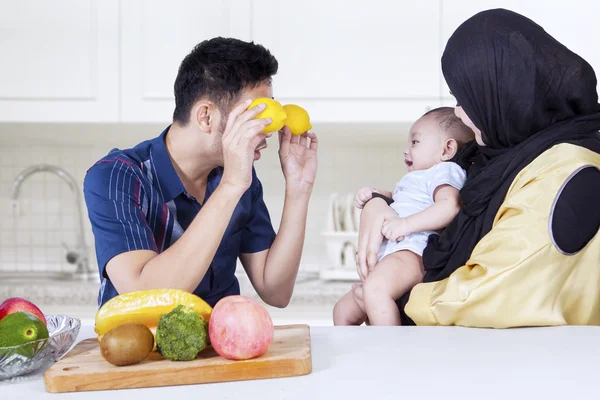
(168, 180)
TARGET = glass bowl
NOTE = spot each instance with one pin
(26, 358)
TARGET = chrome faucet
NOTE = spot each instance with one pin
(79, 255)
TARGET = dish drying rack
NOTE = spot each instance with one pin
(341, 238)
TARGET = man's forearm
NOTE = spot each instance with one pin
(435, 217)
(283, 259)
(184, 264)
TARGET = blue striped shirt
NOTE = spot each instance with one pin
(136, 201)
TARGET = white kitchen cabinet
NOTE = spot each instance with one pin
(573, 23)
(156, 36)
(351, 60)
(343, 61)
(59, 61)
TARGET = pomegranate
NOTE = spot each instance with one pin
(240, 328)
(16, 304)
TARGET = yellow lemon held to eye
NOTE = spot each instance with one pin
(274, 111)
(297, 119)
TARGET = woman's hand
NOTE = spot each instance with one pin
(369, 234)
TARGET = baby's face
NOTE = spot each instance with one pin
(425, 145)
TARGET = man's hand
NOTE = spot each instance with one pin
(363, 195)
(298, 159)
(395, 228)
(241, 137)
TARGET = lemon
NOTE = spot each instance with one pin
(274, 111)
(297, 119)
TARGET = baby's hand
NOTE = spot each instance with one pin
(362, 196)
(395, 228)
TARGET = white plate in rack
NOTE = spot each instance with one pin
(340, 208)
(332, 218)
(350, 222)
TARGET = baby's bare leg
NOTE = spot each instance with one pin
(348, 312)
(358, 297)
(393, 276)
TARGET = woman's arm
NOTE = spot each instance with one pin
(364, 194)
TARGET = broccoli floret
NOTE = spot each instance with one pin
(181, 334)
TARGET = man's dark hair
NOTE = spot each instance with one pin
(449, 122)
(218, 70)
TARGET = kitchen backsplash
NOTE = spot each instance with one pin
(35, 229)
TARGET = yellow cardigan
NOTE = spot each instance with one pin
(515, 275)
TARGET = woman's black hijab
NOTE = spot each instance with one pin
(526, 92)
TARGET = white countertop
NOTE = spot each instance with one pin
(404, 363)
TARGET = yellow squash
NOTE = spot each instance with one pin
(146, 307)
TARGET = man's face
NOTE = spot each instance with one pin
(263, 90)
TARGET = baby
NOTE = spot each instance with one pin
(425, 200)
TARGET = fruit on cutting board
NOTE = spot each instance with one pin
(21, 327)
(181, 334)
(127, 344)
(146, 307)
(15, 304)
(274, 110)
(297, 119)
(240, 328)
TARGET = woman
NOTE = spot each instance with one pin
(525, 249)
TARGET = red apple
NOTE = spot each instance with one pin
(15, 304)
(240, 328)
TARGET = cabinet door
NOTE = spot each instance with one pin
(573, 23)
(156, 36)
(59, 61)
(351, 60)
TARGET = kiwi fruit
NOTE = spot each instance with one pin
(127, 344)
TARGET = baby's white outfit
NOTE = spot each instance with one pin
(414, 193)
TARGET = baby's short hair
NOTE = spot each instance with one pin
(451, 124)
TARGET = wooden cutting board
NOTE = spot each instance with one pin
(84, 369)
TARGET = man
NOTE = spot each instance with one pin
(178, 210)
